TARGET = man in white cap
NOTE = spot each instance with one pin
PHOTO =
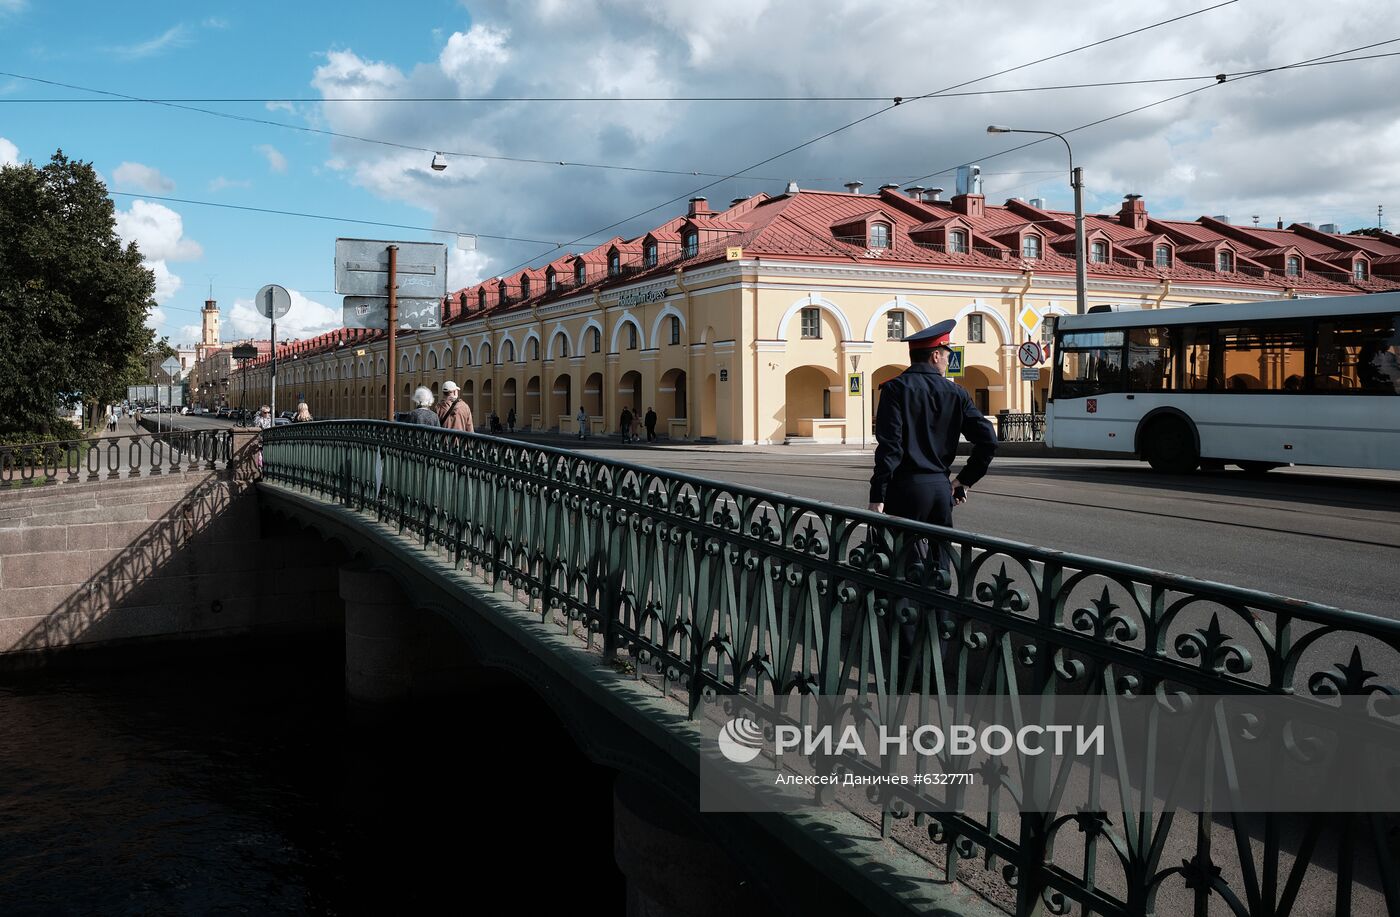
(453, 411)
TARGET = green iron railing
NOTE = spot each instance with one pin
(722, 588)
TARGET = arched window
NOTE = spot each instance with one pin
(1225, 261)
(649, 255)
(508, 352)
(561, 344)
(1098, 253)
(675, 330)
(447, 357)
(1360, 269)
(614, 264)
(597, 339)
(486, 354)
(1030, 247)
(957, 242)
(1163, 256)
(466, 355)
(879, 235)
(432, 359)
(580, 273)
(1294, 266)
(551, 280)
(691, 244)
(631, 336)
(534, 348)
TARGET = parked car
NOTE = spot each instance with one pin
(224, 412)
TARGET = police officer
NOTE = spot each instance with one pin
(917, 426)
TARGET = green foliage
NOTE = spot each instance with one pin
(73, 299)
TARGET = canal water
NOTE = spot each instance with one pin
(238, 782)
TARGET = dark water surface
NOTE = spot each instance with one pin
(237, 782)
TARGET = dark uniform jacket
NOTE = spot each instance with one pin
(917, 425)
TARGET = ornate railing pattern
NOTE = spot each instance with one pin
(1020, 428)
(114, 457)
(721, 588)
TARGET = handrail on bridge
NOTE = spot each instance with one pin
(116, 457)
(722, 588)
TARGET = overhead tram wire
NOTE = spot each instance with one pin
(895, 104)
(332, 219)
(1172, 98)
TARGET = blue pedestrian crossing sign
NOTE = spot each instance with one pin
(854, 384)
(955, 362)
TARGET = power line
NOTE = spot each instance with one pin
(333, 219)
(875, 114)
(1172, 98)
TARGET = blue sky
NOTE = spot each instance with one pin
(1313, 144)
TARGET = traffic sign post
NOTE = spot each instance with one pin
(955, 361)
(1030, 354)
(369, 273)
(273, 302)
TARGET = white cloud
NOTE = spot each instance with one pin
(155, 318)
(275, 160)
(158, 231)
(143, 178)
(9, 153)
(306, 318)
(279, 105)
(1310, 144)
(220, 183)
(174, 37)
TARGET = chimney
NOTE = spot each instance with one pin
(915, 191)
(935, 194)
(737, 201)
(1133, 213)
(854, 186)
(1222, 217)
(698, 207)
(1280, 222)
(970, 205)
(969, 180)
(791, 188)
(1038, 203)
(889, 186)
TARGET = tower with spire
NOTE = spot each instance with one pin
(209, 327)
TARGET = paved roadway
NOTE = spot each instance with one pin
(1328, 536)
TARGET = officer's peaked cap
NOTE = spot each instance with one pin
(932, 337)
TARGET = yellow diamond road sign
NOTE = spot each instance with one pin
(1029, 319)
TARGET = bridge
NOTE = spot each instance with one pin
(634, 601)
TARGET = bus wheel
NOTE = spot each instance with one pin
(1169, 446)
(1256, 467)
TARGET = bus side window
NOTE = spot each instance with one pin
(1195, 359)
(1268, 357)
(1089, 363)
(1150, 363)
(1360, 354)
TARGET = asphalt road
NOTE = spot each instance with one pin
(1326, 536)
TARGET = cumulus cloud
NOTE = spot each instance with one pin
(275, 160)
(1308, 144)
(306, 318)
(143, 178)
(9, 153)
(159, 233)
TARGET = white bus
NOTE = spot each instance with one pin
(1258, 385)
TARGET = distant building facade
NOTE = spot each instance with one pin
(743, 325)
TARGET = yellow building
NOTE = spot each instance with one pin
(744, 325)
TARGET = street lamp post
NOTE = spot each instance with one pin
(1076, 181)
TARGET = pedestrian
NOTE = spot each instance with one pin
(510, 420)
(650, 421)
(921, 415)
(423, 412)
(582, 419)
(263, 421)
(454, 413)
(303, 413)
(624, 424)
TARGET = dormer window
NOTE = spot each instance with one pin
(524, 287)
(1293, 267)
(649, 255)
(1162, 256)
(481, 298)
(879, 236)
(1098, 253)
(690, 244)
(614, 264)
(1225, 261)
(580, 273)
(1360, 269)
(1030, 247)
(501, 292)
(551, 281)
(957, 242)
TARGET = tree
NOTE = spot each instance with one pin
(73, 298)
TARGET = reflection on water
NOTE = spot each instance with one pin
(237, 783)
